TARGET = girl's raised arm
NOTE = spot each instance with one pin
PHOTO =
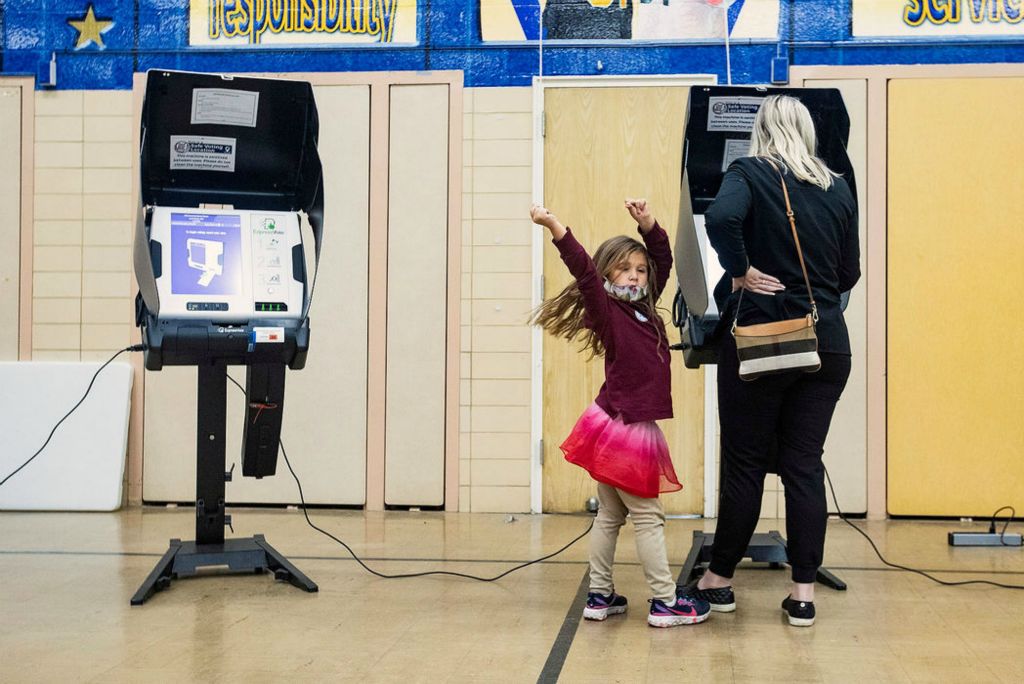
(641, 213)
(580, 265)
(542, 217)
(656, 240)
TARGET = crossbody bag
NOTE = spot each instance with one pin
(781, 346)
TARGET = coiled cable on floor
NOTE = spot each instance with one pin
(897, 566)
(409, 575)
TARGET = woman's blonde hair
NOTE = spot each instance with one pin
(563, 314)
(784, 132)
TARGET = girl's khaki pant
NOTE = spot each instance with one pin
(648, 523)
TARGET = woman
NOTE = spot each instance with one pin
(779, 423)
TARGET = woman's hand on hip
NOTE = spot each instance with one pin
(757, 282)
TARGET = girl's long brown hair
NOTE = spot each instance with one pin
(563, 314)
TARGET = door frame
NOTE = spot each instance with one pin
(875, 258)
(27, 210)
(379, 84)
(540, 84)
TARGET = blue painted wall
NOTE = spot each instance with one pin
(150, 34)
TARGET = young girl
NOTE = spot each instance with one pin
(611, 307)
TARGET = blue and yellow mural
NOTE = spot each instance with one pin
(931, 18)
(291, 22)
(100, 44)
(517, 20)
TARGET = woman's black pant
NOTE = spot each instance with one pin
(777, 423)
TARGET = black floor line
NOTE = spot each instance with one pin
(563, 642)
(54, 552)
(879, 568)
(509, 561)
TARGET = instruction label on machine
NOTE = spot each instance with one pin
(734, 114)
(734, 149)
(225, 107)
(203, 153)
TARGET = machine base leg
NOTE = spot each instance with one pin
(246, 555)
(160, 577)
(763, 548)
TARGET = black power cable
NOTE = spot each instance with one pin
(305, 512)
(133, 348)
(140, 347)
(842, 516)
(1002, 533)
(449, 573)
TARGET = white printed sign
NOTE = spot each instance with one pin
(735, 114)
(734, 149)
(224, 106)
(202, 153)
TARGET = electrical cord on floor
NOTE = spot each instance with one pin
(408, 575)
(842, 516)
(133, 348)
(305, 512)
(140, 347)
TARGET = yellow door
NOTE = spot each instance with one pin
(602, 145)
(955, 362)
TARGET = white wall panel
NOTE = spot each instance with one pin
(417, 294)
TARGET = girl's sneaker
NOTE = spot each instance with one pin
(722, 600)
(800, 613)
(686, 611)
(599, 607)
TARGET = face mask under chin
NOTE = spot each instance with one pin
(627, 293)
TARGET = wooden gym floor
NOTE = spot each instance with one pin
(67, 580)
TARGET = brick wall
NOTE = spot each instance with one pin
(81, 293)
(495, 442)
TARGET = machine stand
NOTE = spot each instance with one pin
(245, 555)
(764, 548)
(211, 550)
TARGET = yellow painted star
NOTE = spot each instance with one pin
(90, 29)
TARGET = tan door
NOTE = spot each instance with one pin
(602, 145)
(955, 363)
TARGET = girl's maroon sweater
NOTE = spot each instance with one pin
(638, 382)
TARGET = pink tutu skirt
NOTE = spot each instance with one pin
(634, 458)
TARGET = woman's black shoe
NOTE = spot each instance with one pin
(722, 600)
(801, 613)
